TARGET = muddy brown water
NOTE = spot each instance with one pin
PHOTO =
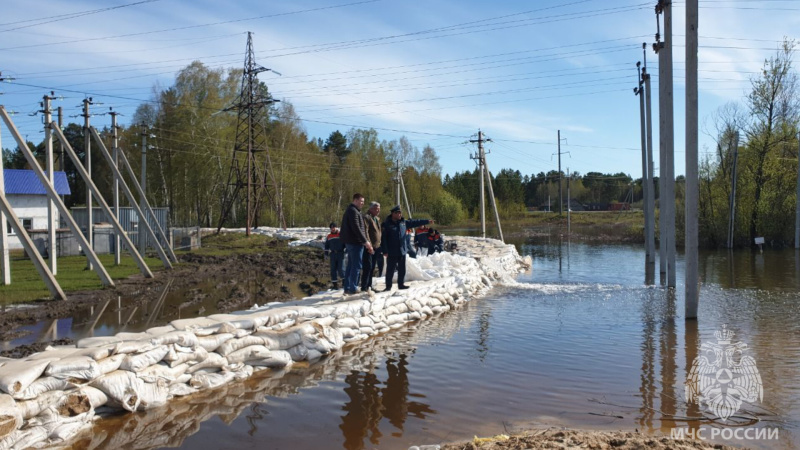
(587, 339)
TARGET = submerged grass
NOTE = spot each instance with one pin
(27, 285)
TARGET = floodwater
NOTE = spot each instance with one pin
(585, 340)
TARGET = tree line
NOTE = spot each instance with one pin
(191, 133)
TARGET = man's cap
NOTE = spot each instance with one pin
(396, 208)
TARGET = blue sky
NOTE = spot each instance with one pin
(433, 71)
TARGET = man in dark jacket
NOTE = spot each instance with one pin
(334, 249)
(374, 233)
(394, 245)
(354, 236)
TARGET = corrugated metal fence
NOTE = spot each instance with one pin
(130, 221)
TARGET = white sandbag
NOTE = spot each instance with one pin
(196, 322)
(24, 438)
(53, 352)
(175, 358)
(242, 371)
(77, 367)
(298, 353)
(11, 415)
(212, 342)
(283, 325)
(42, 385)
(134, 346)
(16, 376)
(365, 322)
(158, 331)
(427, 311)
(202, 380)
(252, 352)
(414, 315)
(277, 359)
(163, 371)
(279, 340)
(4, 360)
(137, 362)
(369, 331)
(126, 336)
(130, 392)
(35, 406)
(110, 364)
(345, 322)
(68, 429)
(181, 389)
(182, 338)
(347, 333)
(281, 315)
(413, 305)
(233, 345)
(96, 397)
(314, 355)
(212, 360)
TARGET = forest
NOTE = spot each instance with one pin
(191, 131)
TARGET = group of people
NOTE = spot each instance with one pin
(367, 241)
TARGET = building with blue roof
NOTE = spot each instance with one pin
(28, 199)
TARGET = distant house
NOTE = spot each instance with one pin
(28, 199)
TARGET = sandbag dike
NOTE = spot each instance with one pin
(50, 397)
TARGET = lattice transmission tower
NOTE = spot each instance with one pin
(251, 168)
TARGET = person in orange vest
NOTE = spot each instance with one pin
(421, 240)
(435, 242)
(334, 248)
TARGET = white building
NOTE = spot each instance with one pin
(28, 199)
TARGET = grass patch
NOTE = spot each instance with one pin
(633, 218)
(26, 285)
(227, 244)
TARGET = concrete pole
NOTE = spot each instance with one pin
(662, 163)
(669, 195)
(797, 208)
(651, 204)
(560, 192)
(115, 150)
(87, 148)
(481, 168)
(569, 209)
(405, 197)
(142, 236)
(692, 174)
(5, 262)
(647, 225)
(494, 203)
(52, 216)
(397, 182)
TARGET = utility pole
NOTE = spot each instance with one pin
(87, 146)
(670, 136)
(569, 204)
(5, 261)
(651, 204)
(397, 182)
(732, 208)
(560, 192)
(51, 206)
(142, 195)
(115, 155)
(639, 91)
(491, 196)
(691, 240)
(481, 161)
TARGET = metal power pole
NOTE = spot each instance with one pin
(142, 195)
(480, 158)
(692, 279)
(51, 206)
(87, 146)
(732, 208)
(115, 154)
(645, 187)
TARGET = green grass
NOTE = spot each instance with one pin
(552, 218)
(27, 285)
(226, 244)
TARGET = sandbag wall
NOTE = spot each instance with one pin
(49, 397)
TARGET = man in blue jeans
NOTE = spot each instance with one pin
(354, 235)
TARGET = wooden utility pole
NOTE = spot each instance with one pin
(692, 280)
(52, 224)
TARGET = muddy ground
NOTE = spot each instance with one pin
(274, 270)
(554, 438)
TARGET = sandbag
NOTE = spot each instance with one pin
(130, 392)
(212, 342)
(181, 389)
(138, 362)
(175, 358)
(202, 380)
(182, 338)
(42, 385)
(164, 371)
(279, 340)
(28, 437)
(110, 364)
(277, 359)
(97, 341)
(298, 353)
(233, 345)
(11, 415)
(76, 367)
(97, 398)
(17, 375)
(137, 346)
(212, 360)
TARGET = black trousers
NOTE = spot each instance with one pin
(367, 268)
(398, 262)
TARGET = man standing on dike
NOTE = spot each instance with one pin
(374, 233)
(354, 236)
(394, 245)
(334, 249)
